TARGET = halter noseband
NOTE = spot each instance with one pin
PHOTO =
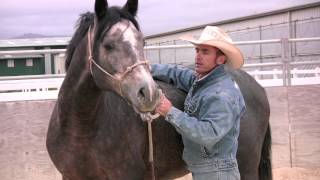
(120, 76)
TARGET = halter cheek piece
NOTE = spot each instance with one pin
(118, 77)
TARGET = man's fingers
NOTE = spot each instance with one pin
(162, 97)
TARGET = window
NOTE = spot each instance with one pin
(29, 62)
(10, 63)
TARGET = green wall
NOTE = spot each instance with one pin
(20, 67)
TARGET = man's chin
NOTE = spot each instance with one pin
(198, 70)
(201, 73)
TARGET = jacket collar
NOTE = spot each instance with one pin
(214, 75)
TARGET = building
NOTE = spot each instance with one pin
(32, 63)
(296, 22)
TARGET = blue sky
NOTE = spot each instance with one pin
(58, 17)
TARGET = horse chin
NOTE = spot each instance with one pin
(142, 111)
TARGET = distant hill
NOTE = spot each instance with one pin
(31, 36)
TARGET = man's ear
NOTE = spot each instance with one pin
(221, 59)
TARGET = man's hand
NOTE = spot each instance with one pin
(164, 106)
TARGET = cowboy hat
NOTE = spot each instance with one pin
(215, 36)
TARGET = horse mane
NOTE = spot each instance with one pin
(113, 15)
(82, 27)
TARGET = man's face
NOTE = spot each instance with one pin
(206, 59)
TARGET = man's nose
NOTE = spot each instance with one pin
(197, 55)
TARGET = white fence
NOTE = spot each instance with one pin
(30, 87)
(285, 73)
(39, 87)
(313, 77)
(291, 66)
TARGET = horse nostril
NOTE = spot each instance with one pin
(142, 93)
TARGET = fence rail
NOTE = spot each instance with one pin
(39, 87)
(36, 87)
(270, 41)
(284, 73)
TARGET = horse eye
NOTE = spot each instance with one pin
(109, 47)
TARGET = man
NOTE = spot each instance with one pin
(209, 125)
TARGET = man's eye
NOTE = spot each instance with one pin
(205, 52)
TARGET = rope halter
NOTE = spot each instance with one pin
(118, 77)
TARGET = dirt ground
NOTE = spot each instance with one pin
(294, 119)
(296, 174)
(286, 174)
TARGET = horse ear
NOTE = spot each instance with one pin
(100, 8)
(131, 6)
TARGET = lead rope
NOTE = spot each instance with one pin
(148, 117)
(151, 160)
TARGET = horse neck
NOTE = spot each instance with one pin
(79, 97)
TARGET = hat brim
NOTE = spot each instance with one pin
(234, 55)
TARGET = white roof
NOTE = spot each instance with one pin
(20, 56)
(34, 42)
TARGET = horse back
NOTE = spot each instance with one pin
(254, 142)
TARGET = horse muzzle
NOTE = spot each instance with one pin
(142, 93)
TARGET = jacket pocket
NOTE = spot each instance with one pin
(227, 164)
(190, 106)
(206, 152)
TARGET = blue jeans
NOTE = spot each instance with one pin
(230, 174)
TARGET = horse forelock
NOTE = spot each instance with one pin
(114, 15)
(128, 33)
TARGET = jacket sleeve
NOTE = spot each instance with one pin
(216, 118)
(179, 76)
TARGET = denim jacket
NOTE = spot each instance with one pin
(209, 125)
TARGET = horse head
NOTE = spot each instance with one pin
(116, 56)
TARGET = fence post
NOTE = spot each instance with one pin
(285, 61)
(175, 52)
(275, 74)
(47, 62)
(294, 73)
(159, 54)
(317, 72)
(256, 74)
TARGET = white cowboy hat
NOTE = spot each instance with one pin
(215, 36)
